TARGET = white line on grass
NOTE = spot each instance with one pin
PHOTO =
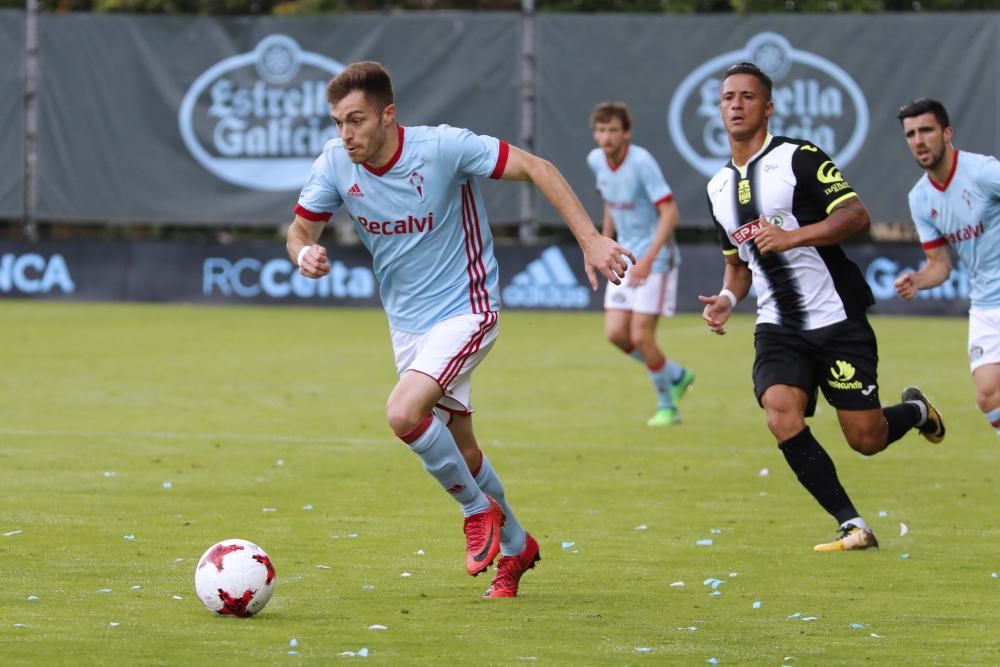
(174, 435)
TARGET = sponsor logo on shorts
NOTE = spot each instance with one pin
(975, 353)
(843, 374)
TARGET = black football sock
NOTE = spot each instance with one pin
(815, 470)
(901, 418)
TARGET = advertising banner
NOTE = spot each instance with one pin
(11, 114)
(669, 68)
(218, 120)
(531, 277)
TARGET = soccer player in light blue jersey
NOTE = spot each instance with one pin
(958, 204)
(415, 201)
(640, 211)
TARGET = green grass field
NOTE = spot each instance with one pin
(243, 409)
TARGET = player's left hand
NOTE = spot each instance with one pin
(637, 274)
(771, 238)
(603, 254)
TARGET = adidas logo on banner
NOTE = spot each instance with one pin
(547, 282)
(355, 191)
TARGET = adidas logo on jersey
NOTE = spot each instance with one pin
(547, 282)
(355, 191)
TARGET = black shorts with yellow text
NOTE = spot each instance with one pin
(840, 359)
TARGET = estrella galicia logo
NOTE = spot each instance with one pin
(814, 99)
(259, 119)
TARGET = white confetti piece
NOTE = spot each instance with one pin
(293, 642)
(360, 653)
(352, 535)
(643, 649)
(904, 556)
(168, 485)
(103, 590)
(307, 507)
(113, 624)
(377, 627)
(689, 628)
(20, 625)
(677, 584)
(177, 597)
(903, 529)
(129, 537)
(567, 545)
(526, 657)
(704, 543)
(323, 567)
(419, 552)
(32, 597)
(712, 661)
(876, 636)
(367, 587)
(641, 527)
(136, 587)
(269, 509)
(716, 593)
(995, 575)
(756, 605)
(406, 574)
(110, 473)
(795, 615)
(293, 653)
(715, 531)
(762, 494)
(13, 532)
(733, 575)
(883, 513)
(764, 472)
(178, 560)
(857, 626)
(279, 462)
(809, 618)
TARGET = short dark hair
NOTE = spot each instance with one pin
(605, 112)
(368, 76)
(752, 70)
(924, 105)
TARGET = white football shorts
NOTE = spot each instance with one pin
(656, 296)
(448, 353)
(984, 337)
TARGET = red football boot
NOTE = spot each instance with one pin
(482, 538)
(510, 569)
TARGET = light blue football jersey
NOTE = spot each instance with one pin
(422, 218)
(631, 192)
(965, 212)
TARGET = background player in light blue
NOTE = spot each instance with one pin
(413, 195)
(958, 204)
(639, 209)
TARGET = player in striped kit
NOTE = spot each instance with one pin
(782, 207)
(415, 200)
(640, 211)
(958, 204)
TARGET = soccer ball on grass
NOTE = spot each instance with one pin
(234, 578)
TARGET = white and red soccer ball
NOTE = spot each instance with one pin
(234, 578)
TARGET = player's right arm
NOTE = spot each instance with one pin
(736, 281)
(933, 273)
(304, 249)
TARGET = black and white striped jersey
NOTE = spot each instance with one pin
(794, 184)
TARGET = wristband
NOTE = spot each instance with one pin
(302, 253)
(729, 294)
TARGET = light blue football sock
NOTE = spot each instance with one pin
(437, 449)
(676, 372)
(993, 417)
(512, 539)
(663, 386)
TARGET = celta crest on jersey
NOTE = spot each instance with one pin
(410, 225)
(417, 181)
(814, 99)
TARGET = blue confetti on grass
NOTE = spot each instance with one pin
(756, 605)
(704, 543)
